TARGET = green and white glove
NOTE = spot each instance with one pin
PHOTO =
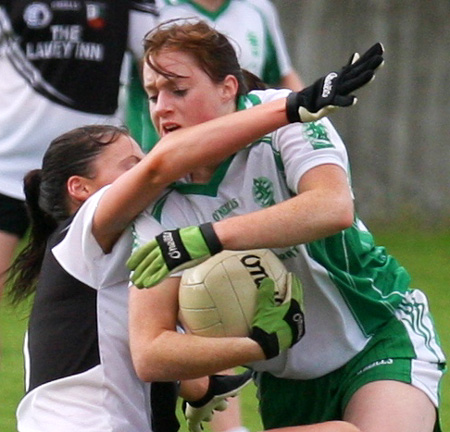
(172, 251)
(278, 327)
(333, 90)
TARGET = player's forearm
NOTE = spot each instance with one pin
(211, 142)
(174, 356)
(176, 155)
(313, 214)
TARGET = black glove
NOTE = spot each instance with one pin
(333, 90)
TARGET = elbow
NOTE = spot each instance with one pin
(346, 218)
(145, 361)
(343, 216)
(160, 166)
(141, 367)
(158, 170)
(144, 368)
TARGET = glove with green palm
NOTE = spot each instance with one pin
(172, 251)
(278, 327)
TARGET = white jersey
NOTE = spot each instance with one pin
(351, 286)
(81, 377)
(253, 28)
(60, 64)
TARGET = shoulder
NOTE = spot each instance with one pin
(265, 7)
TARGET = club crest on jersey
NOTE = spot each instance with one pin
(37, 15)
(263, 193)
(317, 135)
(96, 15)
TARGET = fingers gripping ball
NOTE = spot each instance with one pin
(334, 89)
(218, 297)
(278, 327)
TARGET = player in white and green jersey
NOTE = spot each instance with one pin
(352, 287)
(368, 353)
(253, 28)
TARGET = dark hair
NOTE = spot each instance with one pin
(211, 49)
(72, 153)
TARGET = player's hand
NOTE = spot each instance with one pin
(220, 388)
(172, 251)
(334, 90)
(277, 327)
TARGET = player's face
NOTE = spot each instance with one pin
(115, 159)
(187, 100)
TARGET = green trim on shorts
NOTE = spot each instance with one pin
(289, 402)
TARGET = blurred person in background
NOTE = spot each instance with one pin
(60, 68)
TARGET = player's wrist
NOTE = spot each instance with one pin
(268, 342)
(292, 107)
(211, 239)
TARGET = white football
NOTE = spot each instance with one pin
(217, 298)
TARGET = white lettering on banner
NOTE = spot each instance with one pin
(66, 5)
(49, 50)
(65, 50)
(71, 33)
(89, 51)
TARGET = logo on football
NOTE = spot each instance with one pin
(217, 298)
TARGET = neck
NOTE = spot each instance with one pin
(210, 5)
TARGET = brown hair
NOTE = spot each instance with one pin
(211, 50)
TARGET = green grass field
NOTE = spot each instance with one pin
(425, 255)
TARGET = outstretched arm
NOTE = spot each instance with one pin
(211, 142)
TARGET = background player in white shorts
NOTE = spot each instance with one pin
(367, 334)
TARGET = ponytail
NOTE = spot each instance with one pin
(24, 271)
(72, 153)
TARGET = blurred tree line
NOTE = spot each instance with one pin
(398, 135)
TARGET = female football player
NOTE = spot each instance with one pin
(370, 354)
(93, 182)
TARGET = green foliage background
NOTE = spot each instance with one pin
(425, 254)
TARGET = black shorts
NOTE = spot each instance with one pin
(13, 216)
